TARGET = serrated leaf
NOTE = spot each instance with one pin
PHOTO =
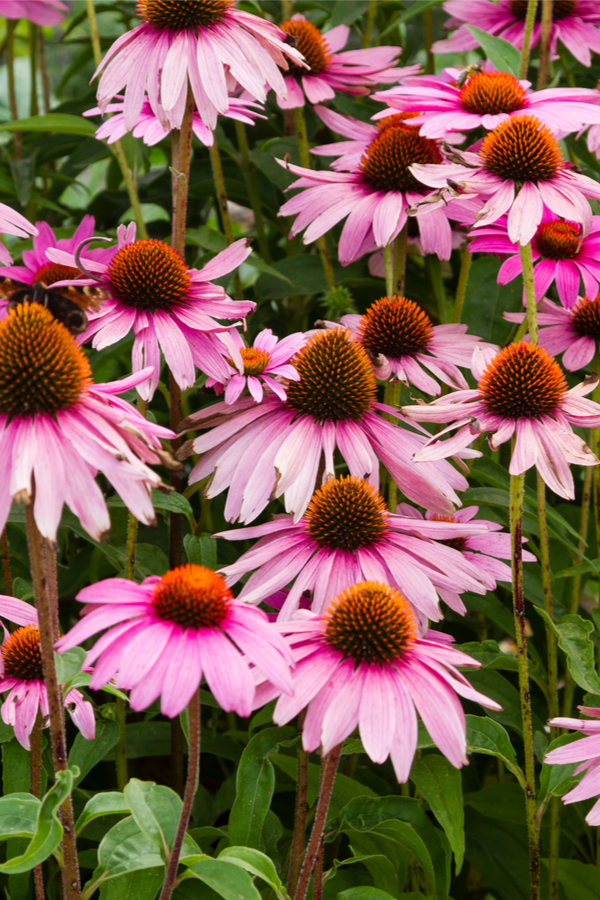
(441, 785)
(501, 53)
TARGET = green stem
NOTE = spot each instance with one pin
(297, 846)
(287, 9)
(529, 285)
(219, 178)
(366, 41)
(547, 594)
(249, 172)
(554, 849)
(11, 24)
(434, 270)
(44, 70)
(461, 287)
(35, 782)
(33, 60)
(516, 531)
(428, 29)
(545, 44)
(391, 397)
(586, 496)
(399, 260)
(6, 573)
(529, 23)
(389, 269)
(121, 748)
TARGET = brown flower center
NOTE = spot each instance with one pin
(255, 361)
(336, 378)
(181, 15)
(310, 43)
(386, 161)
(557, 240)
(523, 381)
(149, 275)
(22, 654)
(586, 317)
(42, 370)
(192, 596)
(371, 623)
(522, 149)
(347, 513)
(52, 272)
(395, 327)
(492, 93)
(561, 9)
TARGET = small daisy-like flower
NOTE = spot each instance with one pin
(573, 332)
(40, 12)
(399, 335)
(261, 366)
(563, 252)
(275, 448)
(363, 664)
(59, 428)
(12, 222)
(150, 290)
(373, 192)
(330, 71)
(586, 752)
(522, 392)
(522, 154)
(207, 43)
(21, 674)
(151, 129)
(486, 99)
(166, 633)
(574, 23)
(348, 535)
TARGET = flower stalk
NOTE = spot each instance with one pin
(249, 171)
(545, 44)
(217, 170)
(297, 846)
(461, 287)
(35, 786)
(529, 23)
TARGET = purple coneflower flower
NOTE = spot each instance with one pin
(522, 392)
(150, 289)
(40, 12)
(574, 23)
(573, 332)
(276, 447)
(586, 752)
(363, 664)
(59, 428)
(21, 674)
(169, 632)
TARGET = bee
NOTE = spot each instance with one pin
(466, 73)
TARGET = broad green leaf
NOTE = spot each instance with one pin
(48, 830)
(125, 849)
(500, 801)
(489, 654)
(68, 665)
(255, 782)
(345, 13)
(258, 263)
(141, 885)
(345, 788)
(15, 767)
(201, 551)
(574, 638)
(498, 850)
(486, 301)
(364, 892)
(579, 881)
(57, 123)
(557, 780)
(156, 809)
(105, 804)
(501, 53)
(441, 785)
(18, 815)
(226, 878)
(484, 735)
(86, 754)
(256, 863)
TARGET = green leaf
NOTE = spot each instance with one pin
(501, 53)
(441, 785)
(18, 815)
(125, 849)
(146, 739)
(489, 654)
(573, 635)
(227, 879)
(68, 665)
(500, 801)
(106, 804)
(579, 881)
(256, 863)
(255, 783)
(556, 780)
(57, 123)
(364, 892)
(201, 551)
(156, 809)
(498, 850)
(48, 830)
(142, 885)
(15, 767)
(486, 736)
(486, 301)
(347, 13)
(86, 754)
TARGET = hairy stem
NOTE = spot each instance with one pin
(391, 397)
(545, 44)
(547, 593)
(461, 287)
(33, 66)
(586, 496)
(399, 261)
(389, 269)
(529, 23)
(528, 284)
(249, 172)
(35, 781)
(297, 847)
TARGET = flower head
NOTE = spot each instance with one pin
(150, 290)
(520, 155)
(207, 43)
(522, 392)
(363, 664)
(586, 752)
(59, 428)
(40, 12)
(22, 675)
(166, 633)
(276, 447)
(573, 332)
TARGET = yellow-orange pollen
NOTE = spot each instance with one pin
(457, 543)
(149, 275)
(523, 381)
(52, 272)
(371, 623)
(347, 513)
(386, 161)
(522, 149)
(491, 93)
(255, 361)
(192, 596)
(586, 317)
(310, 43)
(22, 654)
(395, 327)
(181, 15)
(561, 9)
(558, 240)
(42, 370)
(336, 378)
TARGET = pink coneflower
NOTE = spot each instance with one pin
(22, 675)
(486, 99)
(151, 130)
(573, 332)
(206, 43)
(521, 392)
(262, 365)
(12, 222)
(150, 289)
(399, 335)
(363, 664)
(40, 12)
(171, 631)
(59, 428)
(348, 535)
(484, 551)
(374, 193)
(563, 252)
(574, 23)
(275, 447)
(587, 753)
(329, 71)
